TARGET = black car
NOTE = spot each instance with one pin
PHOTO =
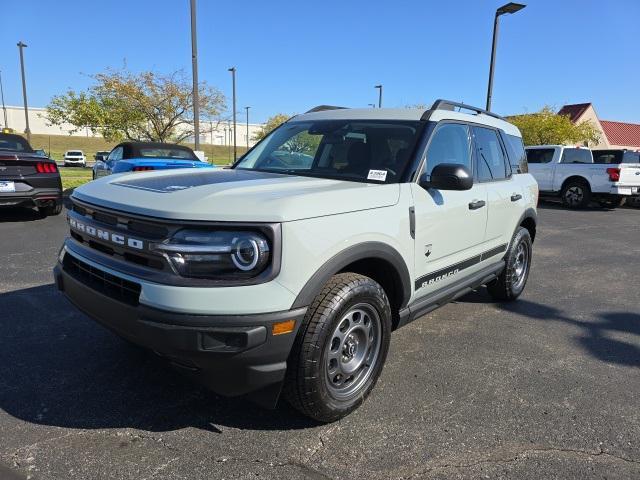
(26, 178)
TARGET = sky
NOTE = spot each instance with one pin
(293, 55)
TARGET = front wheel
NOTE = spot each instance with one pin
(511, 282)
(341, 348)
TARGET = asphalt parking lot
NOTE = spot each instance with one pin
(548, 387)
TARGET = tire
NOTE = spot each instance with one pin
(51, 210)
(576, 194)
(350, 312)
(633, 201)
(511, 282)
(612, 202)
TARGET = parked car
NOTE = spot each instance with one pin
(283, 275)
(28, 179)
(145, 156)
(75, 158)
(571, 174)
(41, 152)
(101, 155)
(614, 157)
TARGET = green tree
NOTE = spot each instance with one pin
(137, 106)
(548, 128)
(272, 123)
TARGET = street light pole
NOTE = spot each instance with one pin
(194, 68)
(379, 87)
(235, 144)
(508, 8)
(4, 108)
(247, 109)
(27, 130)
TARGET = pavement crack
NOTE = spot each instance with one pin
(509, 457)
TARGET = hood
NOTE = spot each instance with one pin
(233, 195)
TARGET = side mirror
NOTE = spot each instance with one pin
(448, 176)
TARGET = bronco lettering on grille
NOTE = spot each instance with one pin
(101, 234)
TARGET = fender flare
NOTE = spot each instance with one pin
(361, 251)
(529, 213)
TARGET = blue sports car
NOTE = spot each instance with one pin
(144, 156)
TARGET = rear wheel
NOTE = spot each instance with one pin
(576, 194)
(341, 348)
(511, 282)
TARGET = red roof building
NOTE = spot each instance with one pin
(612, 134)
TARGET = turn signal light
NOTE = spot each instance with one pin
(43, 167)
(614, 174)
(281, 328)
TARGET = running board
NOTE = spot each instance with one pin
(441, 297)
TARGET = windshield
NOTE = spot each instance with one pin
(14, 143)
(357, 150)
(74, 153)
(174, 152)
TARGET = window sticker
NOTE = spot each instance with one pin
(378, 175)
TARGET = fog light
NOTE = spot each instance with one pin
(281, 328)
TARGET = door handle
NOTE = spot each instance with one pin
(515, 197)
(476, 204)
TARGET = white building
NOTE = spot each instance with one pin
(220, 133)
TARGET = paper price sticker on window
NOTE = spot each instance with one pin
(378, 175)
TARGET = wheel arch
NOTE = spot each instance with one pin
(577, 178)
(529, 220)
(376, 260)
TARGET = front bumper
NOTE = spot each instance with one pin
(231, 354)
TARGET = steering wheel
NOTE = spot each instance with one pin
(272, 161)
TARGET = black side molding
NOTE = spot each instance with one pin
(441, 297)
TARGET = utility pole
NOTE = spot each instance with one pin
(509, 8)
(4, 108)
(194, 67)
(247, 109)
(235, 143)
(27, 130)
(379, 87)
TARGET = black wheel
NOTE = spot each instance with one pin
(341, 348)
(51, 209)
(614, 202)
(576, 194)
(511, 282)
(633, 201)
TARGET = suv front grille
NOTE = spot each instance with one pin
(110, 285)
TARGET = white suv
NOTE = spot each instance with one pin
(75, 158)
(290, 270)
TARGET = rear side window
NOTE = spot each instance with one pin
(450, 144)
(540, 155)
(631, 157)
(491, 161)
(517, 155)
(576, 155)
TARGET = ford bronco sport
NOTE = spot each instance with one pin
(288, 272)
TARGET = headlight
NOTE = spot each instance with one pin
(218, 255)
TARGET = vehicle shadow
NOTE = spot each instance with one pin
(59, 368)
(594, 338)
(557, 205)
(20, 214)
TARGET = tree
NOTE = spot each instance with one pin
(548, 128)
(137, 106)
(272, 123)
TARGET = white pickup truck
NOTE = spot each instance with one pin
(571, 173)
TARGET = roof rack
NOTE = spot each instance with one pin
(449, 105)
(321, 108)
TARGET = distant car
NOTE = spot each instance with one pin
(75, 158)
(101, 155)
(144, 156)
(40, 152)
(615, 157)
(27, 179)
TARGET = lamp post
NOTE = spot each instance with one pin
(247, 109)
(235, 144)
(27, 130)
(194, 69)
(508, 8)
(379, 87)
(4, 108)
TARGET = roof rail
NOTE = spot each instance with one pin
(449, 105)
(321, 108)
